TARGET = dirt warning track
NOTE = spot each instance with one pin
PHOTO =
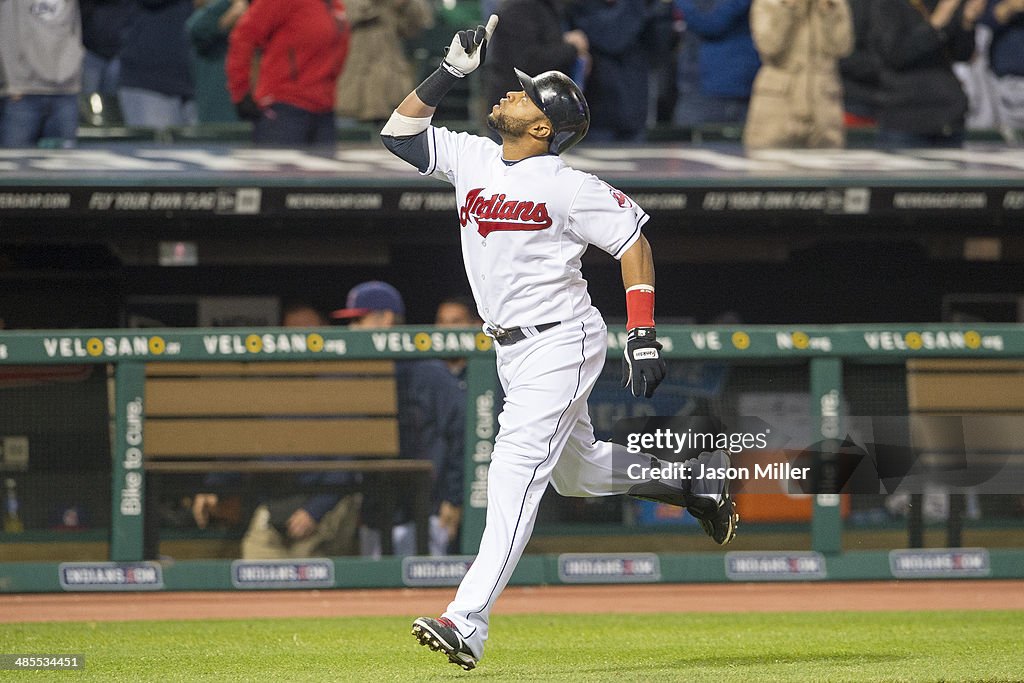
(745, 597)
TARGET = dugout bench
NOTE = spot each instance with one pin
(980, 390)
(267, 419)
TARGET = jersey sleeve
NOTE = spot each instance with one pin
(449, 152)
(604, 216)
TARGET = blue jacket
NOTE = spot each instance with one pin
(106, 24)
(616, 88)
(728, 58)
(155, 55)
(431, 423)
(1006, 54)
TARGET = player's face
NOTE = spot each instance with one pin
(514, 114)
(454, 315)
(303, 317)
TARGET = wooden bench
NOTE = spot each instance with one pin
(983, 391)
(264, 418)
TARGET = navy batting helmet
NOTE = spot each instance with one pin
(562, 102)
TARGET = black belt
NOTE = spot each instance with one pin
(514, 335)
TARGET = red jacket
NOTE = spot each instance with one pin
(303, 44)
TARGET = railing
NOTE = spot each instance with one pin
(824, 348)
(241, 134)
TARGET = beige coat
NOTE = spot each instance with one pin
(797, 100)
(377, 73)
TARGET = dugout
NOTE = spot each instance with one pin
(789, 239)
(116, 234)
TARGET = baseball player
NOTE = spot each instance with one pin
(526, 218)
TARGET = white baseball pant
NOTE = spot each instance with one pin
(545, 435)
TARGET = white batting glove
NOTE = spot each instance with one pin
(468, 49)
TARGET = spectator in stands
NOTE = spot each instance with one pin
(532, 38)
(861, 71)
(208, 30)
(302, 45)
(621, 39)
(690, 107)
(978, 83)
(156, 88)
(797, 99)
(1006, 58)
(322, 521)
(922, 103)
(457, 311)
(432, 414)
(378, 74)
(41, 58)
(105, 25)
(727, 58)
(665, 35)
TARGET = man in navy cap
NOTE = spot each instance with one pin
(372, 305)
(431, 419)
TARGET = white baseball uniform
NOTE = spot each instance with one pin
(525, 226)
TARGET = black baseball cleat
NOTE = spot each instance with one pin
(718, 518)
(441, 635)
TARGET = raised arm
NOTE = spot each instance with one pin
(405, 132)
(772, 23)
(838, 27)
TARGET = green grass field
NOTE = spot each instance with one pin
(889, 646)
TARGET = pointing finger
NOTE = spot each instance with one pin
(492, 24)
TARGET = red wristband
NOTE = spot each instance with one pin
(639, 306)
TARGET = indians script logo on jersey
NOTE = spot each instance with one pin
(501, 213)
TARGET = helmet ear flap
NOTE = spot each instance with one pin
(562, 102)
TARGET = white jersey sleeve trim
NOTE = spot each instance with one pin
(631, 240)
(431, 152)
